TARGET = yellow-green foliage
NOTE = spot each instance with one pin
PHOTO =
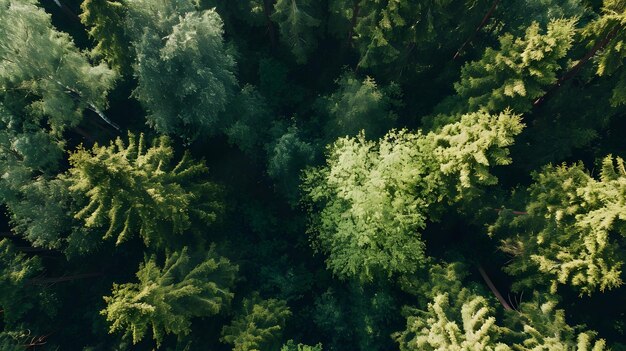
(607, 32)
(468, 324)
(166, 299)
(258, 326)
(519, 71)
(133, 189)
(374, 197)
(571, 232)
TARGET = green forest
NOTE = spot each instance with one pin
(313, 175)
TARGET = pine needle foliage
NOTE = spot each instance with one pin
(166, 298)
(372, 199)
(572, 230)
(258, 326)
(519, 71)
(132, 188)
(42, 63)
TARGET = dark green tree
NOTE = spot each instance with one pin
(184, 70)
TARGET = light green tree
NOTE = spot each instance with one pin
(166, 298)
(572, 230)
(42, 70)
(184, 70)
(258, 326)
(519, 72)
(292, 346)
(371, 200)
(132, 188)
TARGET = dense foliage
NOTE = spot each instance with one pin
(301, 175)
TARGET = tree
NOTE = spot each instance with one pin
(519, 72)
(467, 326)
(17, 298)
(371, 200)
(607, 35)
(43, 73)
(166, 299)
(258, 326)
(297, 25)
(132, 188)
(359, 105)
(105, 19)
(571, 233)
(184, 70)
(292, 346)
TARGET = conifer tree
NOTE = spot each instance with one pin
(572, 231)
(519, 71)
(17, 297)
(359, 105)
(166, 298)
(185, 71)
(42, 70)
(258, 326)
(606, 35)
(292, 346)
(105, 19)
(374, 198)
(132, 188)
(298, 26)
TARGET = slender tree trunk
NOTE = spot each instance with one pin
(579, 65)
(486, 18)
(268, 6)
(356, 8)
(43, 281)
(493, 289)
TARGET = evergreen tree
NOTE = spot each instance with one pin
(166, 299)
(292, 346)
(519, 72)
(258, 326)
(359, 105)
(298, 26)
(17, 296)
(42, 71)
(571, 233)
(105, 19)
(185, 71)
(133, 188)
(374, 198)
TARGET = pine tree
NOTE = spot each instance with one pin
(359, 105)
(464, 325)
(519, 71)
(17, 297)
(185, 71)
(258, 326)
(606, 35)
(42, 70)
(571, 233)
(298, 26)
(166, 298)
(105, 19)
(292, 346)
(374, 198)
(133, 188)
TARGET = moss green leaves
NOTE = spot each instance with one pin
(372, 199)
(166, 298)
(132, 188)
